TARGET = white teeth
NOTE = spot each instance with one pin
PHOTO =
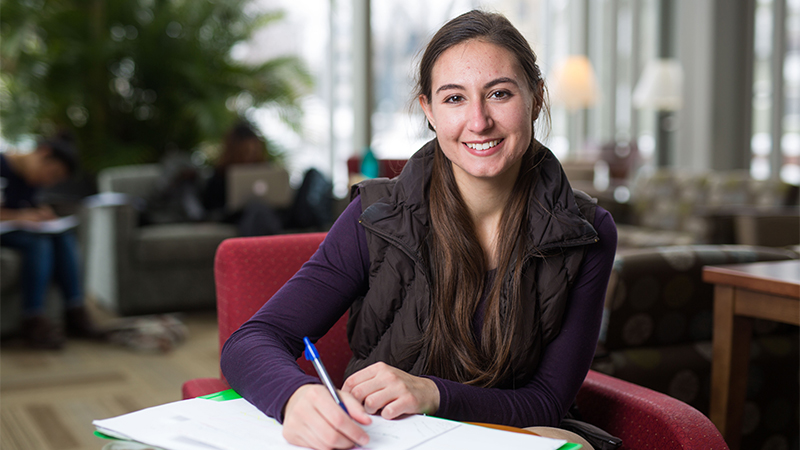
(484, 146)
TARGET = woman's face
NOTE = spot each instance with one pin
(482, 110)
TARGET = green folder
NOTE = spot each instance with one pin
(230, 394)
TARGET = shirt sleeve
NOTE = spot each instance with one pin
(259, 359)
(545, 399)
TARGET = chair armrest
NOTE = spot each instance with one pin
(643, 418)
(107, 231)
(202, 386)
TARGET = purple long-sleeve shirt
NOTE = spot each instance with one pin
(259, 359)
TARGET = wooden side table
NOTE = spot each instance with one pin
(742, 293)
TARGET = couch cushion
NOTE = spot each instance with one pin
(193, 243)
(657, 296)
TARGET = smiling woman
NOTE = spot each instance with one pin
(474, 280)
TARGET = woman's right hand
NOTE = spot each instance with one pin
(313, 419)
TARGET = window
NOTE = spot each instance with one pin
(321, 37)
(619, 36)
(775, 142)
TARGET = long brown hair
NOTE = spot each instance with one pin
(458, 266)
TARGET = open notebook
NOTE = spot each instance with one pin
(235, 424)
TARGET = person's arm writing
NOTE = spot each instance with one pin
(259, 359)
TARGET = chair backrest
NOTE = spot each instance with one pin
(249, 271)
(137, 180)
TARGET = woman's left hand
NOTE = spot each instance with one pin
(383, 387)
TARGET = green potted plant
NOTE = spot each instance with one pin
(135, 79)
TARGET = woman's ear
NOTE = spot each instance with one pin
(426, 108)
(538, 101)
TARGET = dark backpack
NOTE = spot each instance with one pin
(313, 203)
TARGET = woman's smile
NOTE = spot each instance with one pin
(486, 148)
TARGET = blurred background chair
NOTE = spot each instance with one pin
(677, 207)
(136, 268)
(657, 333)
(249, 271)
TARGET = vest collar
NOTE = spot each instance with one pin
(554, 218)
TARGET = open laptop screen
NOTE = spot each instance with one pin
(264, 182)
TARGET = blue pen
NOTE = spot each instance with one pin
(313, 356)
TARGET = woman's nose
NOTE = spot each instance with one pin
(480, 118)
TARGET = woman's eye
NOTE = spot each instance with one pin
(500, 94)
(453, 99)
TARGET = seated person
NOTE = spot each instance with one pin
(45, 256)
(242, 145)
(475, 280)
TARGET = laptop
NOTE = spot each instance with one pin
(262, 182)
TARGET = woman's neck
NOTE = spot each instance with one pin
(486, 200)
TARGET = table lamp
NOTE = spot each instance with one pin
(574, 87)
(574, 83)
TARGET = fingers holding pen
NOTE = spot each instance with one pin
(313, 419)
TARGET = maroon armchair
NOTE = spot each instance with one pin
(248, 271)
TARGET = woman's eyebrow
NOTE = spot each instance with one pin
(447, 87)
(500, 80)
(495, 82)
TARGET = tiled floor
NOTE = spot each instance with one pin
(48, 399)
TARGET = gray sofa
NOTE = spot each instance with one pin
(133, 269)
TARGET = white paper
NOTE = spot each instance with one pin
(46, 226)
(106, 199)
(476, 437)
(405, 433)
(200, 424)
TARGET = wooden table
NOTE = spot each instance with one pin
(742, 293)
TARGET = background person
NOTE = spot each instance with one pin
(242, 145)
(45, 256)
(475, 280)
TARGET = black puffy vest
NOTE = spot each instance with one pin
(388, 323)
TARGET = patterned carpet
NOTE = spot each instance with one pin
(48, 399)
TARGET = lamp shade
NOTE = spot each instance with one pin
(574, 83)
(661, 86)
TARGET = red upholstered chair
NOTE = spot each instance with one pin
(643, 418)
(248, 271)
